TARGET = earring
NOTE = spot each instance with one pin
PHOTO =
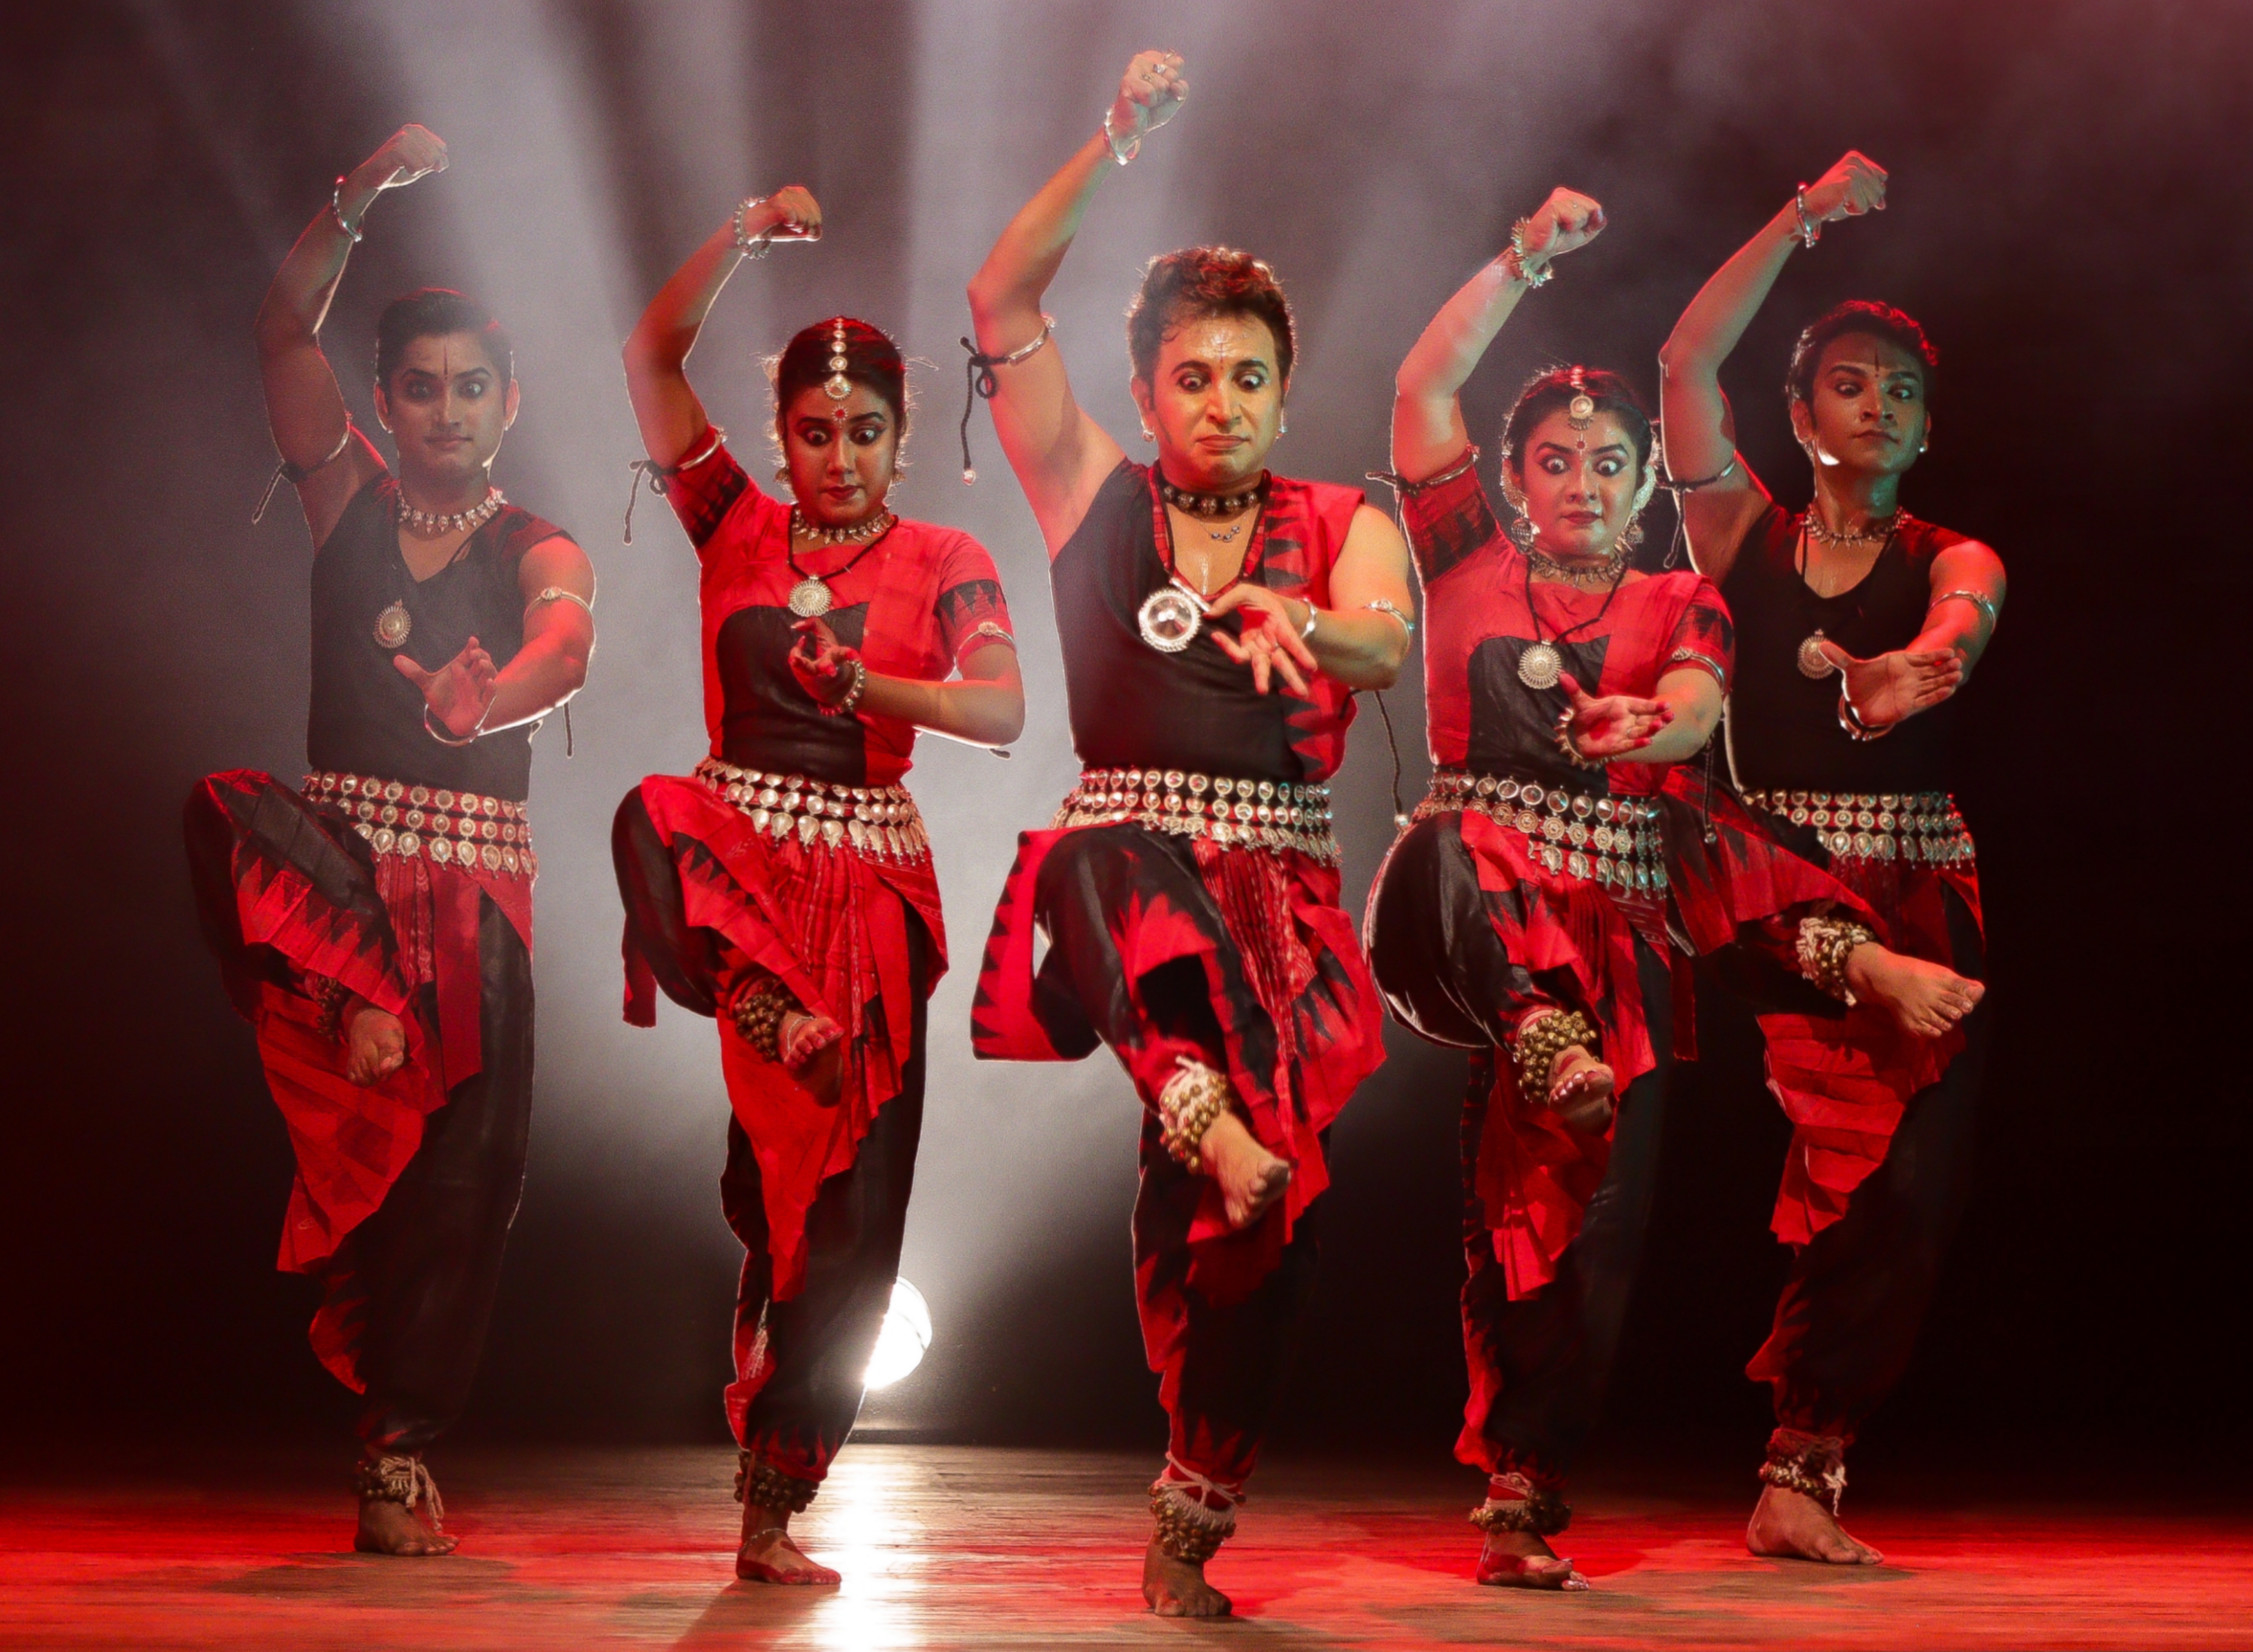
(1148, 435)
(1522, 533)
(1283, 425)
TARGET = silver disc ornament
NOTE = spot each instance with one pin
(1169, 618)
(1540, 665)
(811, 599)
(1813, 662)
(392, 626)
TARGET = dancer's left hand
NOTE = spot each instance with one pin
(1887, 688)
(459, 692)
(1612, 725)
(822, 664)
(1271, 643)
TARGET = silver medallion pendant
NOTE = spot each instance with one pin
(392, 625)
(810, 599)
(1540, 665)
(1812, 660)
(1169, 618)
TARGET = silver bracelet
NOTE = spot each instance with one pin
(337, 210)
(1810, 230)
(556, 593)
(1692, 657)
(1383, 607)
(1133, 145)
(431, 729)
(1980, 600)
(752, 245)
(852, 698)
(1513, 260)
(1306, 630)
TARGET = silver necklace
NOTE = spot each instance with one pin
(1876, 531)
(1813, 663)
(1588, 575)
(811, 597)
(434, 522)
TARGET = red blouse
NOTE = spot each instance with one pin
(1478, 714)
(912, 602)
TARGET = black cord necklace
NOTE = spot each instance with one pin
(1541, 665)
(811, 597)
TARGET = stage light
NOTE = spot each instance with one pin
(900, 1344)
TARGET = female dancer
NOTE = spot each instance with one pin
(1899, 611)
(1525, 913)
(1190, 887)
(786, 889)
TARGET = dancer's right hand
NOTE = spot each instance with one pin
(790, 213)
(1566, 222)
(1855, 185)
(407, 154)
(1150, 93)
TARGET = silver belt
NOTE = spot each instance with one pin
(451, 828)
(1619, 842)
(1920, 827)
(1247, 814)
(879, 823)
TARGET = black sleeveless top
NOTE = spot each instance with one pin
(365, 717)
(1784, 725)
(1135, 707)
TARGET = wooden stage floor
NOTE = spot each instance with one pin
(962, 1547)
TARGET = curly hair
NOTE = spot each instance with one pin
(1855, 316)
(433, 312)
(1198, 282)
(871, 358)
(1552, 390)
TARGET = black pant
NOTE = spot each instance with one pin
(819, 1340)
(1541, 1365)
(429, 1257)
(1856, 1298)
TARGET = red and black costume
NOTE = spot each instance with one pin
(401, 873)
(1879, 1171)
(794, 856)
(1189, 892)
(1528, 882)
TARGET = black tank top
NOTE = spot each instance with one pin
(1784, 725)
(367, 718)
(1133, 706)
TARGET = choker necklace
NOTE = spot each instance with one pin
(1542, 663)
(434, 522)
(1210, 505)
(1587, 576)
(1876, 531)
(811, 597)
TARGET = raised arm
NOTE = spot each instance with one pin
(1061, 456)
(1700, 435)
(304, 407)
(666, 405)
(1427, 415)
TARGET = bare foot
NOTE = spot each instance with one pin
(392, 1529)
(768, 1554)
(1251, 1177)
(1792, 1525)
(1176, 1588)
(375, 1045)
(1926, 999)
(1580, 1090)
(1524, 1560)
(813, 1048)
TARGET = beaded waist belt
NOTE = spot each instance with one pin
(878, 822)
(1615, 841)
(1920, 827)
(451, 828)
(1247, 814)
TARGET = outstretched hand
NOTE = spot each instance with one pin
(1885, 689)
(1150, 93)
(1610, 726)
(460, 691)
(822, 664)
(1855, 185)
(407, 154)
(1271, 643)
(1563, 223)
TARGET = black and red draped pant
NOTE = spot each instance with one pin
(817, 1191)
(405, 1189)
(1166, 947)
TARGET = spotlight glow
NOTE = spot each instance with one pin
(900, 1344)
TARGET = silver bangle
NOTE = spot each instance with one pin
(752, 245)
(431, 729)
(1810, 230)
(1692, 657)
(1383, 607)
(852, 696)
(556, 593)
(1306, 630)
(1979, 600)
(337, 210)
(1513, 260)
(1133, 145)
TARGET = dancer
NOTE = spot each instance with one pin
(786, 889)
(1899, 612)
(376, 929)
(1526, 912)
(1216, 620)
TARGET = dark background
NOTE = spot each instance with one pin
(2069, 219)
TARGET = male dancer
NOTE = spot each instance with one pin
(1189, 888)
(1898, 610)
(377, 929)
